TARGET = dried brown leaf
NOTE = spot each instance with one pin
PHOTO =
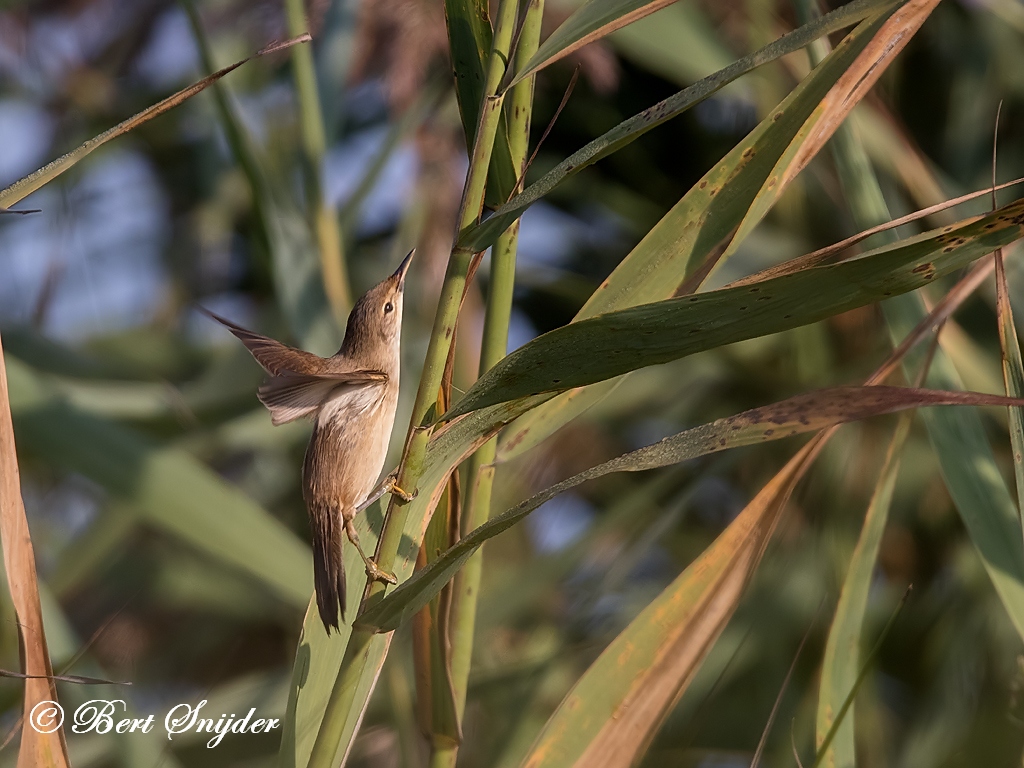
(38, 750)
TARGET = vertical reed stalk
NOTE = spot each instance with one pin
(314, 144)
(237, 138)
(493, 347)
(339, 707)
(443, 332)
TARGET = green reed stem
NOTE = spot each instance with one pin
(346, 695)
(443, 332)
(314, 145)
(493, 347)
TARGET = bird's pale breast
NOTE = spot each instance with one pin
(349, 446)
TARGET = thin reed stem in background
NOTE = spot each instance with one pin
(314, 145)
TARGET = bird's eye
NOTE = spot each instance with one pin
(389, 307)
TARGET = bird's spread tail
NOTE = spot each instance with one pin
(328, 567)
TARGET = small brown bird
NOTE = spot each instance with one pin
(351, 398)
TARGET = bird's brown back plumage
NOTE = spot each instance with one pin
(352, 397)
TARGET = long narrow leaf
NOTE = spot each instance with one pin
(851, 695)
(26, 186)
(1013, 372)
(611, 344)
(591, 21)
(798, 415)
(842, 662)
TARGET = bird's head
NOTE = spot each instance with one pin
(375, 323)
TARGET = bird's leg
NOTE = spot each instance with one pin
(387, 485)
(372, 569)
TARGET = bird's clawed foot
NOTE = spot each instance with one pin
(372, 569)
(403, 495)
(387, 485)
(390, 485)
(375, 573)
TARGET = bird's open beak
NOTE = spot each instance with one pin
(404, 267)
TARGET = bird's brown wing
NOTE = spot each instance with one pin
(274, 356)
(291, 396)
(298, 383)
